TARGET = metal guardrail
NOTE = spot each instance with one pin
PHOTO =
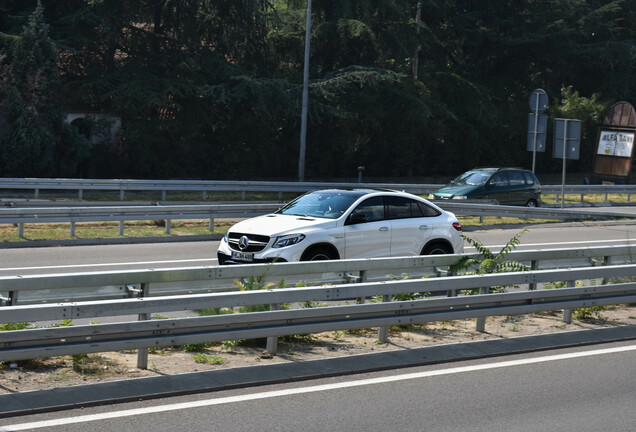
(35, 289)
(204, 186)
(46, 342)
(121, 214)
(72, 215)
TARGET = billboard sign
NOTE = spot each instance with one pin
(615, 143)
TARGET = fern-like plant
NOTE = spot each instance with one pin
(489, 262)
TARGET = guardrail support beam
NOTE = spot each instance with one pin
(481, 321)
(567, 313)
(168, 226)
(533, 266)
(211, 224)
(72, 229)
(272, 341)
(142, 353)
(121, 228)
(383, 333)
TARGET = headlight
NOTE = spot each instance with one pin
(288, 240)
(226, 236)
(431, 196)
(460, 197)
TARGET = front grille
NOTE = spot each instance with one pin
(256, 242)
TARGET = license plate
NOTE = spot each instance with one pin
(243, 256)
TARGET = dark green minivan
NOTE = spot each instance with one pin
(507, 186)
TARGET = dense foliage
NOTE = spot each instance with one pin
(212, 88)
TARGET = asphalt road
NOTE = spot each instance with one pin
(73, 259)
(581, 389)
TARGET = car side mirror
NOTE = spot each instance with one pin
(356, 218)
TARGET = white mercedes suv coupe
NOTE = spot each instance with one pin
(344, 224)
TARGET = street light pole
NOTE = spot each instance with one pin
(303, 120)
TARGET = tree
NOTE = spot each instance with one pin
(36, 142)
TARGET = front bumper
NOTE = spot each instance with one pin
(225, 259)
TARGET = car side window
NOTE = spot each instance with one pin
(499, 179)
(402, 208)
(369, 210)
(516, 178)
(428, 211)
(528, 178)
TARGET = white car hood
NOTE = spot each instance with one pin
(277, 224)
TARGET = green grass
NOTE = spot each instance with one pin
(587, 198)
(9, 233)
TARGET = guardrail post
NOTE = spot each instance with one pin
(629, 196)
(11, 299)
(204, 195)
(72, 229)
(211, 224)
(533, 266)
(168, 226)
(80, 194)
(362, 277)
(142, 353)
(122, 195)
(383, 333)
(606, 260)
(481, 321)
(121, 228)
(567, 313)
(163, 195)
(606, 194)
(21, 230)
(242, 195)
(37, 193)
(272, 341)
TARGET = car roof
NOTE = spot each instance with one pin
(494, 169)
(360, 192)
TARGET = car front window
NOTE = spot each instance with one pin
(474, 178)
(321, 204)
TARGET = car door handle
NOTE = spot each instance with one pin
(384, 228)
(423, 227)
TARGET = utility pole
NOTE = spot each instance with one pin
(416, 58)
(303, 120)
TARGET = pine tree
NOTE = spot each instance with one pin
(36, 143)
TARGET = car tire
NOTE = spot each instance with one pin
(317, 254)
(437, 249)
(532, 203)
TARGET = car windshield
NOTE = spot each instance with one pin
(322, 204)
(475, 178)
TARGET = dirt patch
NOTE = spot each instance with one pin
(67, 371)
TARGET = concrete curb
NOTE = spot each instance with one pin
(199, 382)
